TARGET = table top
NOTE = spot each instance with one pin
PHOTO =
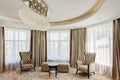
(52, 64)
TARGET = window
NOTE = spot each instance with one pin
(15, 41)
(99, 40)
(58, 44)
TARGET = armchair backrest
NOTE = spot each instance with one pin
(89, 58)
(25, 57)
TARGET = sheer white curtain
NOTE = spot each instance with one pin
(58, 46)
(100, 41)
(16, 40)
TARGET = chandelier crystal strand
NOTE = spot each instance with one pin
(34, 18)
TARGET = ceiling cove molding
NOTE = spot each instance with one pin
(69, 21)
(81, 17)
(4, 17)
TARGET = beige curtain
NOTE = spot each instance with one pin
(39, 46)
(116, 50)
(77, 45)
(2, 49)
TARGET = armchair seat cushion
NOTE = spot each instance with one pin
(27, 66)
(83, 68)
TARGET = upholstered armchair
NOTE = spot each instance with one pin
(26, 62)
(86, 65)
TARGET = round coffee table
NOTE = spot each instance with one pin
(53, 67)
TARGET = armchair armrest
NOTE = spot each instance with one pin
(21, 62)
(78, 63)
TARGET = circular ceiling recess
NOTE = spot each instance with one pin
(62, 12)
(80, 17)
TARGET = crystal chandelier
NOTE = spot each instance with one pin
(35, 15)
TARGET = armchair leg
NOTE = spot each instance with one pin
(88, 72)
(94, 73)
(20, 70)
(76, 71)
(34, 68)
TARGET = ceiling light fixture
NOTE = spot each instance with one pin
(35, 15)
(40, 7)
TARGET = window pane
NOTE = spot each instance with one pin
(8, 35)
(64, 36)
(21, 37)
(54, 36)
(58, 46)
(16, 35)
(15, 41)
(64, 51)
(8, 50)
(99, 40)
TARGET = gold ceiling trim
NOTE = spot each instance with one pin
(81, 17)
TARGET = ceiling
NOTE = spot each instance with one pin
(60, 10)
